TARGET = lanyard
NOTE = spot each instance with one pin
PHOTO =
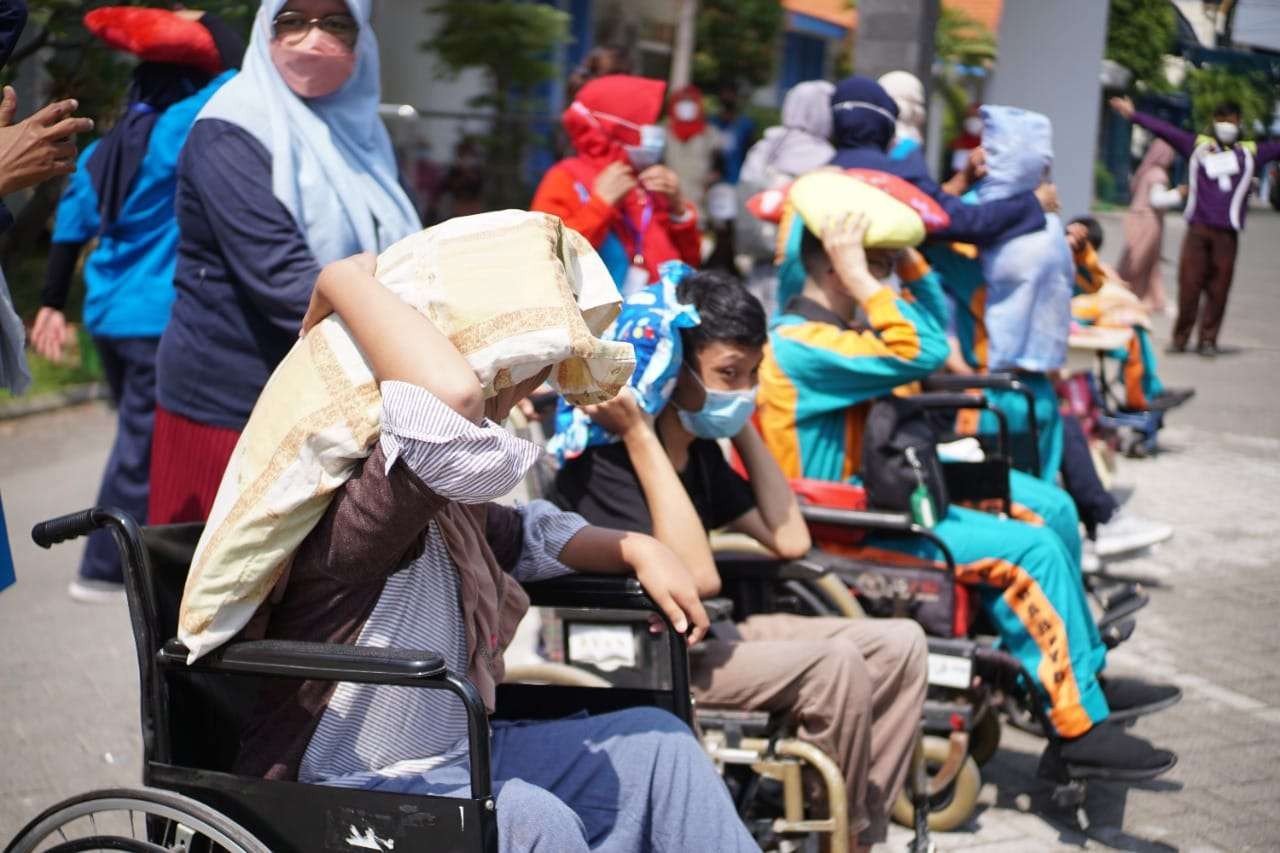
(637, 234)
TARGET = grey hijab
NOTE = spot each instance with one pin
(800, 144)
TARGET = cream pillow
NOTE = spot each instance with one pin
(514, 291)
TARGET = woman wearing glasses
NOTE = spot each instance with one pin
(287, 168)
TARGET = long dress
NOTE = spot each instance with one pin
(1144, 228)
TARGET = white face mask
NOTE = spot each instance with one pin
(653, 139)
(685, 111)
(973, 126)
(1226, 132)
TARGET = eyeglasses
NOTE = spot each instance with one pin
(292, 27)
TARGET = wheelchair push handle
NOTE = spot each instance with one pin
(46, 534)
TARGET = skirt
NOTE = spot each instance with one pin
(187, 462)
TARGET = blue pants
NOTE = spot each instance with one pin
(633, 780)
(1048, 421)
(130, 368)
(1094, 504)
(1030, 585)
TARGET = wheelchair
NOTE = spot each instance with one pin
(191, 718)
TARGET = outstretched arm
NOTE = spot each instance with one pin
(1183, 141)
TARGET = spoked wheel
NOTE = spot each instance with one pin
(953, 805)
(134, 821)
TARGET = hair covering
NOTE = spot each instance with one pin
(800, 144)
(908, 93)
(650, 321)
(180, 56)
(685, 129)
(862, 114)
(332, 165)
(1154, 167)
(608, 114)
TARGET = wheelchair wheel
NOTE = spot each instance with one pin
(136, 821)
(952, 806)
(984, 739)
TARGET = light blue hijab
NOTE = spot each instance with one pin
(332, 164)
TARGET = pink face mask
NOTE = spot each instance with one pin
(316, 67)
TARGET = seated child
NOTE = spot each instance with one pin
(855, 686)
(411, 554)
(817, 381)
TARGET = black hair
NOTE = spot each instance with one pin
(1094, 227)
(813, 255)
(730, 314)
(1227, 109)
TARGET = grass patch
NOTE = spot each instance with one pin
(80, 365)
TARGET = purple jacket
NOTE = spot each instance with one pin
(1220, 202)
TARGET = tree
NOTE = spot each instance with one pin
(513, 43)
(1212, 84)
(959, 40)
(737, 43)
(1140, 33)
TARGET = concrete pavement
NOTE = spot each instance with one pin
(68, 684)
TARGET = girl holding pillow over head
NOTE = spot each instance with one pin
(287, 168)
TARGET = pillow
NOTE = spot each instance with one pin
(155, 35)
(820, 195)
(514, 291)
(931, 213)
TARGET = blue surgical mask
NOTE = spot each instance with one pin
(723, 414)
(653, 140)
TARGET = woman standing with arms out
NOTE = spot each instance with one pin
(1150, 196)
(287, 169)
(122, 195)
(615, 191)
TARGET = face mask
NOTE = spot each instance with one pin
(723, 414)
(1226, 132)
(685, 111)
(973, 126)
(316, 67)
(653, 139)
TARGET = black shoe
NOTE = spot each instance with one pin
(1175, 349)
(1106, 752)
(1170, 398)
(1208, 350)
(1130, 698)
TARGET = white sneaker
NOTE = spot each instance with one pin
(90, 591)
(1090, 562)
(1125, 533)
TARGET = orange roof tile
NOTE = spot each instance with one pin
(837, 12)
(986, 12)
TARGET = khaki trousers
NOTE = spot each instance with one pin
(853, 687)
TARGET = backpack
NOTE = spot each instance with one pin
(900, 464)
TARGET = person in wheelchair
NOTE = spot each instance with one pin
(856, 687)
(820, 374)
(412, 554)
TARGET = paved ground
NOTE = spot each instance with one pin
(68, 695)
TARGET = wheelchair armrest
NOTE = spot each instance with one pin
(950, 400)
(718, 609)
(959, 382)
(900, 522)
(322, 661)
(754, 567)
(590, 591)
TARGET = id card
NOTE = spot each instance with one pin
(637, 279)
(1222, 164)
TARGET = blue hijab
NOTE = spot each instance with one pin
(332, 164)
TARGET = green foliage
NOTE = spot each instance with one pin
(513, 43)
(1255, 94)
(737, 43)
(1139, 35)
(1104, 183)
(962, 40)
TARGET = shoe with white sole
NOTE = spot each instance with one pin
(1126, 533)
(1090, 562)
(92, 591)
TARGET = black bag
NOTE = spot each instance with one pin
(899, 454)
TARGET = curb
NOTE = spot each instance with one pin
(41, 403)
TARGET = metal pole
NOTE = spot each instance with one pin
(682, 51)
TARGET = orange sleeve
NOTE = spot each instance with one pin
(686, 237)
(558, 196)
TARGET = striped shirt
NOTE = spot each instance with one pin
(370, 731)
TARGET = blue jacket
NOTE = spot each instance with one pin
(129, 275)
(863, 126)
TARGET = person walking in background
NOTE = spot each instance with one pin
(615, 191)
(691, 144)
(122, 196)
(908, 93)
(1220, 172)
(736, 130)
(1150, 196)
(286, 169)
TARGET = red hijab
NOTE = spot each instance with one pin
(686, 130)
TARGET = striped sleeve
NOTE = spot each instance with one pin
(546, 531)
(455, 458)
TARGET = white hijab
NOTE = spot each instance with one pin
(332, 164)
